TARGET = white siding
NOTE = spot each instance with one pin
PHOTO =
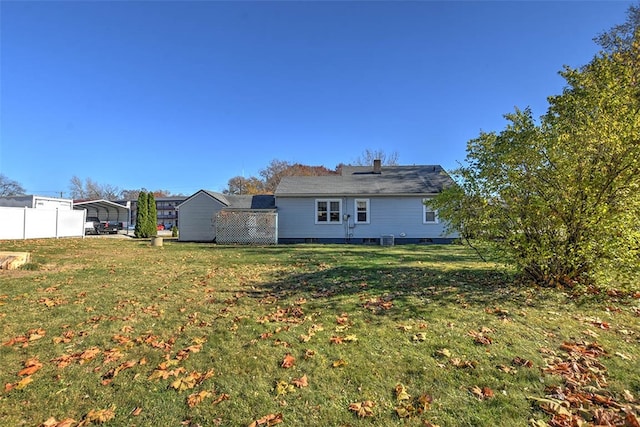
(400, 216)
(197, 218)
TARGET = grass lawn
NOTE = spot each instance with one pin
(118, 332)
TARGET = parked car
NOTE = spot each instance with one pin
(93, 225)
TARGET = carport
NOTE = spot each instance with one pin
(106, 210)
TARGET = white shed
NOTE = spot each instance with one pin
(199, 212)
(36, 202)
(197, 216)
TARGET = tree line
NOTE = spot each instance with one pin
(270, 176)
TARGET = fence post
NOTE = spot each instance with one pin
(24, 224)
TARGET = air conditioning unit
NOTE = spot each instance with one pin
(386, 240)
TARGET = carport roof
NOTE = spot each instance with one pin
(122, 211)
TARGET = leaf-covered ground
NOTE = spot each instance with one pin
(117, 332)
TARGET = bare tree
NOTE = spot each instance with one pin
(9, 187)
(91, 190)
(368, 156)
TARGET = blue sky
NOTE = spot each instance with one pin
(182, 96)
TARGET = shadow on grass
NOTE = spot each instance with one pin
(411, 278)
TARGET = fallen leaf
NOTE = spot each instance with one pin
(303, 381)
(283, 387)
(336, 339)
(268, 420)
(288, 361)
(98, 416)
(507, 369)
(338, 363)
(401, 392)
(31, 366)
(137, 411)
(52, 422)
(481, 393)
(223, 396)
(518, 361)
(196, 398)
(443, 352)
(362, 409)
(628, 396)
(23, 383)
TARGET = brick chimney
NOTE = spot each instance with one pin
(377, 166)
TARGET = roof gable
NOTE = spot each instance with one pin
(259, 201)
(219, 197)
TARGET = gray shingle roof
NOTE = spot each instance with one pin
(261, 201)
(360, 180)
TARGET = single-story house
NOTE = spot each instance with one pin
(364, 204)
(200, 214)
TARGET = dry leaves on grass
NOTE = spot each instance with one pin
(303, 381)
(268, 420)
(481, 337)
(482, 393)
(408, 407)
(288, 361)
(362, 409)
(19, 385)
(190, 381)
(582, 400)
(52, 422)
(31, 366)
(98, 416)
(197, 398)
(31, 335)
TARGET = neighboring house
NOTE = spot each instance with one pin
(374, 204)
(199, 212)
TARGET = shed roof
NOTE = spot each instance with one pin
(362, 180)
(104, 209)
(259, 201)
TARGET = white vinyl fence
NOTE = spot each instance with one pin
(29, 223)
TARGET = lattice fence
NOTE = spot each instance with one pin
(247, 226)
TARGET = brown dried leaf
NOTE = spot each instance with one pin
(481, 393)
(288, 361)
(31, 366)
(303, 381)
(223, 396)
(196, 398)
(362, 409)
(268, 420)
(98, 416)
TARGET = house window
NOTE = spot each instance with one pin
(328, 211)
(362, 211)
(429, 216)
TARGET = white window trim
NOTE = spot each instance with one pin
(328, 221)
(355, 210)
(426, 209)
